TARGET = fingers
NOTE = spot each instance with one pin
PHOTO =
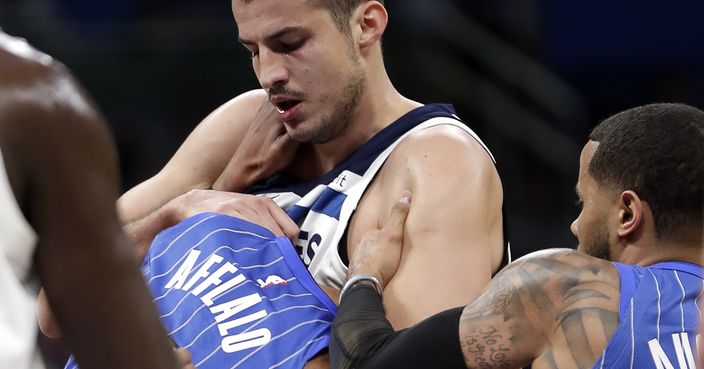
(183, 357)
(399, 213)
(288, 227)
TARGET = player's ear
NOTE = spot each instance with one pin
(370, 20)
(631, 211)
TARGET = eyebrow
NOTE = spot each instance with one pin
(273, 36)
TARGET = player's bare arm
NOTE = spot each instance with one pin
(72, 210)
(524, 316)
(235, 146)
(556, 301)
(453, 239)
(200, 160)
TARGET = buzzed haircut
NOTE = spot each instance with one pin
(657, 151)
(340, 10)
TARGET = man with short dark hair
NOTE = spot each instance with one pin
(333, 143)
(627, 298)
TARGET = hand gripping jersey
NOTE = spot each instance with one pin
(658, 318)
(323, 207)
(236, 296)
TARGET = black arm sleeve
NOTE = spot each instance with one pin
(363, 338)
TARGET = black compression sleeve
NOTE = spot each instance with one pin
(363, 338)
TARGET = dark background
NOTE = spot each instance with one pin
(530, 77)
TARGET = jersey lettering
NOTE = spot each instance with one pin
(308, 247)
(313, 246)
(683, 351)
(227, 310)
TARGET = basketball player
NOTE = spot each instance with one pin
(355, 142)
(58, 225)
(627, 298)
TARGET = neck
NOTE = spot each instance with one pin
(660, 251)
(379, 106)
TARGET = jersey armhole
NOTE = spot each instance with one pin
(302, 274)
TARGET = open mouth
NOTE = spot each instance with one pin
(286, 105)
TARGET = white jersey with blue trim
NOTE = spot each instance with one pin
(236, 296)
(323, 207)
(658, 318)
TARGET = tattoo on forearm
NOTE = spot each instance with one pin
(532, 303)
(572, 324)
(487, 349)
(498, 300)
(583, 293)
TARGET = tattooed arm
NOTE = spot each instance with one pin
(551, 309)
(554, 309)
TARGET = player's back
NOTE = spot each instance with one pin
(658, 317)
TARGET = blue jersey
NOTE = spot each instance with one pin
(658, 317)
(236, 296)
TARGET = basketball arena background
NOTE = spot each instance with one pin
(530, 77)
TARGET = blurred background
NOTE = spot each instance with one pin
(530, 77)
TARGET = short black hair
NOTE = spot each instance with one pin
(340, 10)
(657, 151)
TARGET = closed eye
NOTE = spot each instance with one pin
(289, 47)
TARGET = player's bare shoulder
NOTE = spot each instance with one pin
(237, 111)
(39, 98)
(35, 83)
(443, 149)
(569, 266)
(22, 68)
(17, 58)
(571, 282)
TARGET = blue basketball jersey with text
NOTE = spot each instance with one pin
(324, 207)
(658, 318)
(236, 296)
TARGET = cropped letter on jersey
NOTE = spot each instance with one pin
(658, 318)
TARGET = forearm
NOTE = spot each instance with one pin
(111, 322)
(237, 177)
(143, 231)
(364, 339)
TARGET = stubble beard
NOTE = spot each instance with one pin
(335, 123)
(598, 246)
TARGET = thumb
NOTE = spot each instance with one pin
(183, 356)
(399, 213)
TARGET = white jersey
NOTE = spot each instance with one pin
(18, 308)
(323, 208)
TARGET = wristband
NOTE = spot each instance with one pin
(358, 278)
